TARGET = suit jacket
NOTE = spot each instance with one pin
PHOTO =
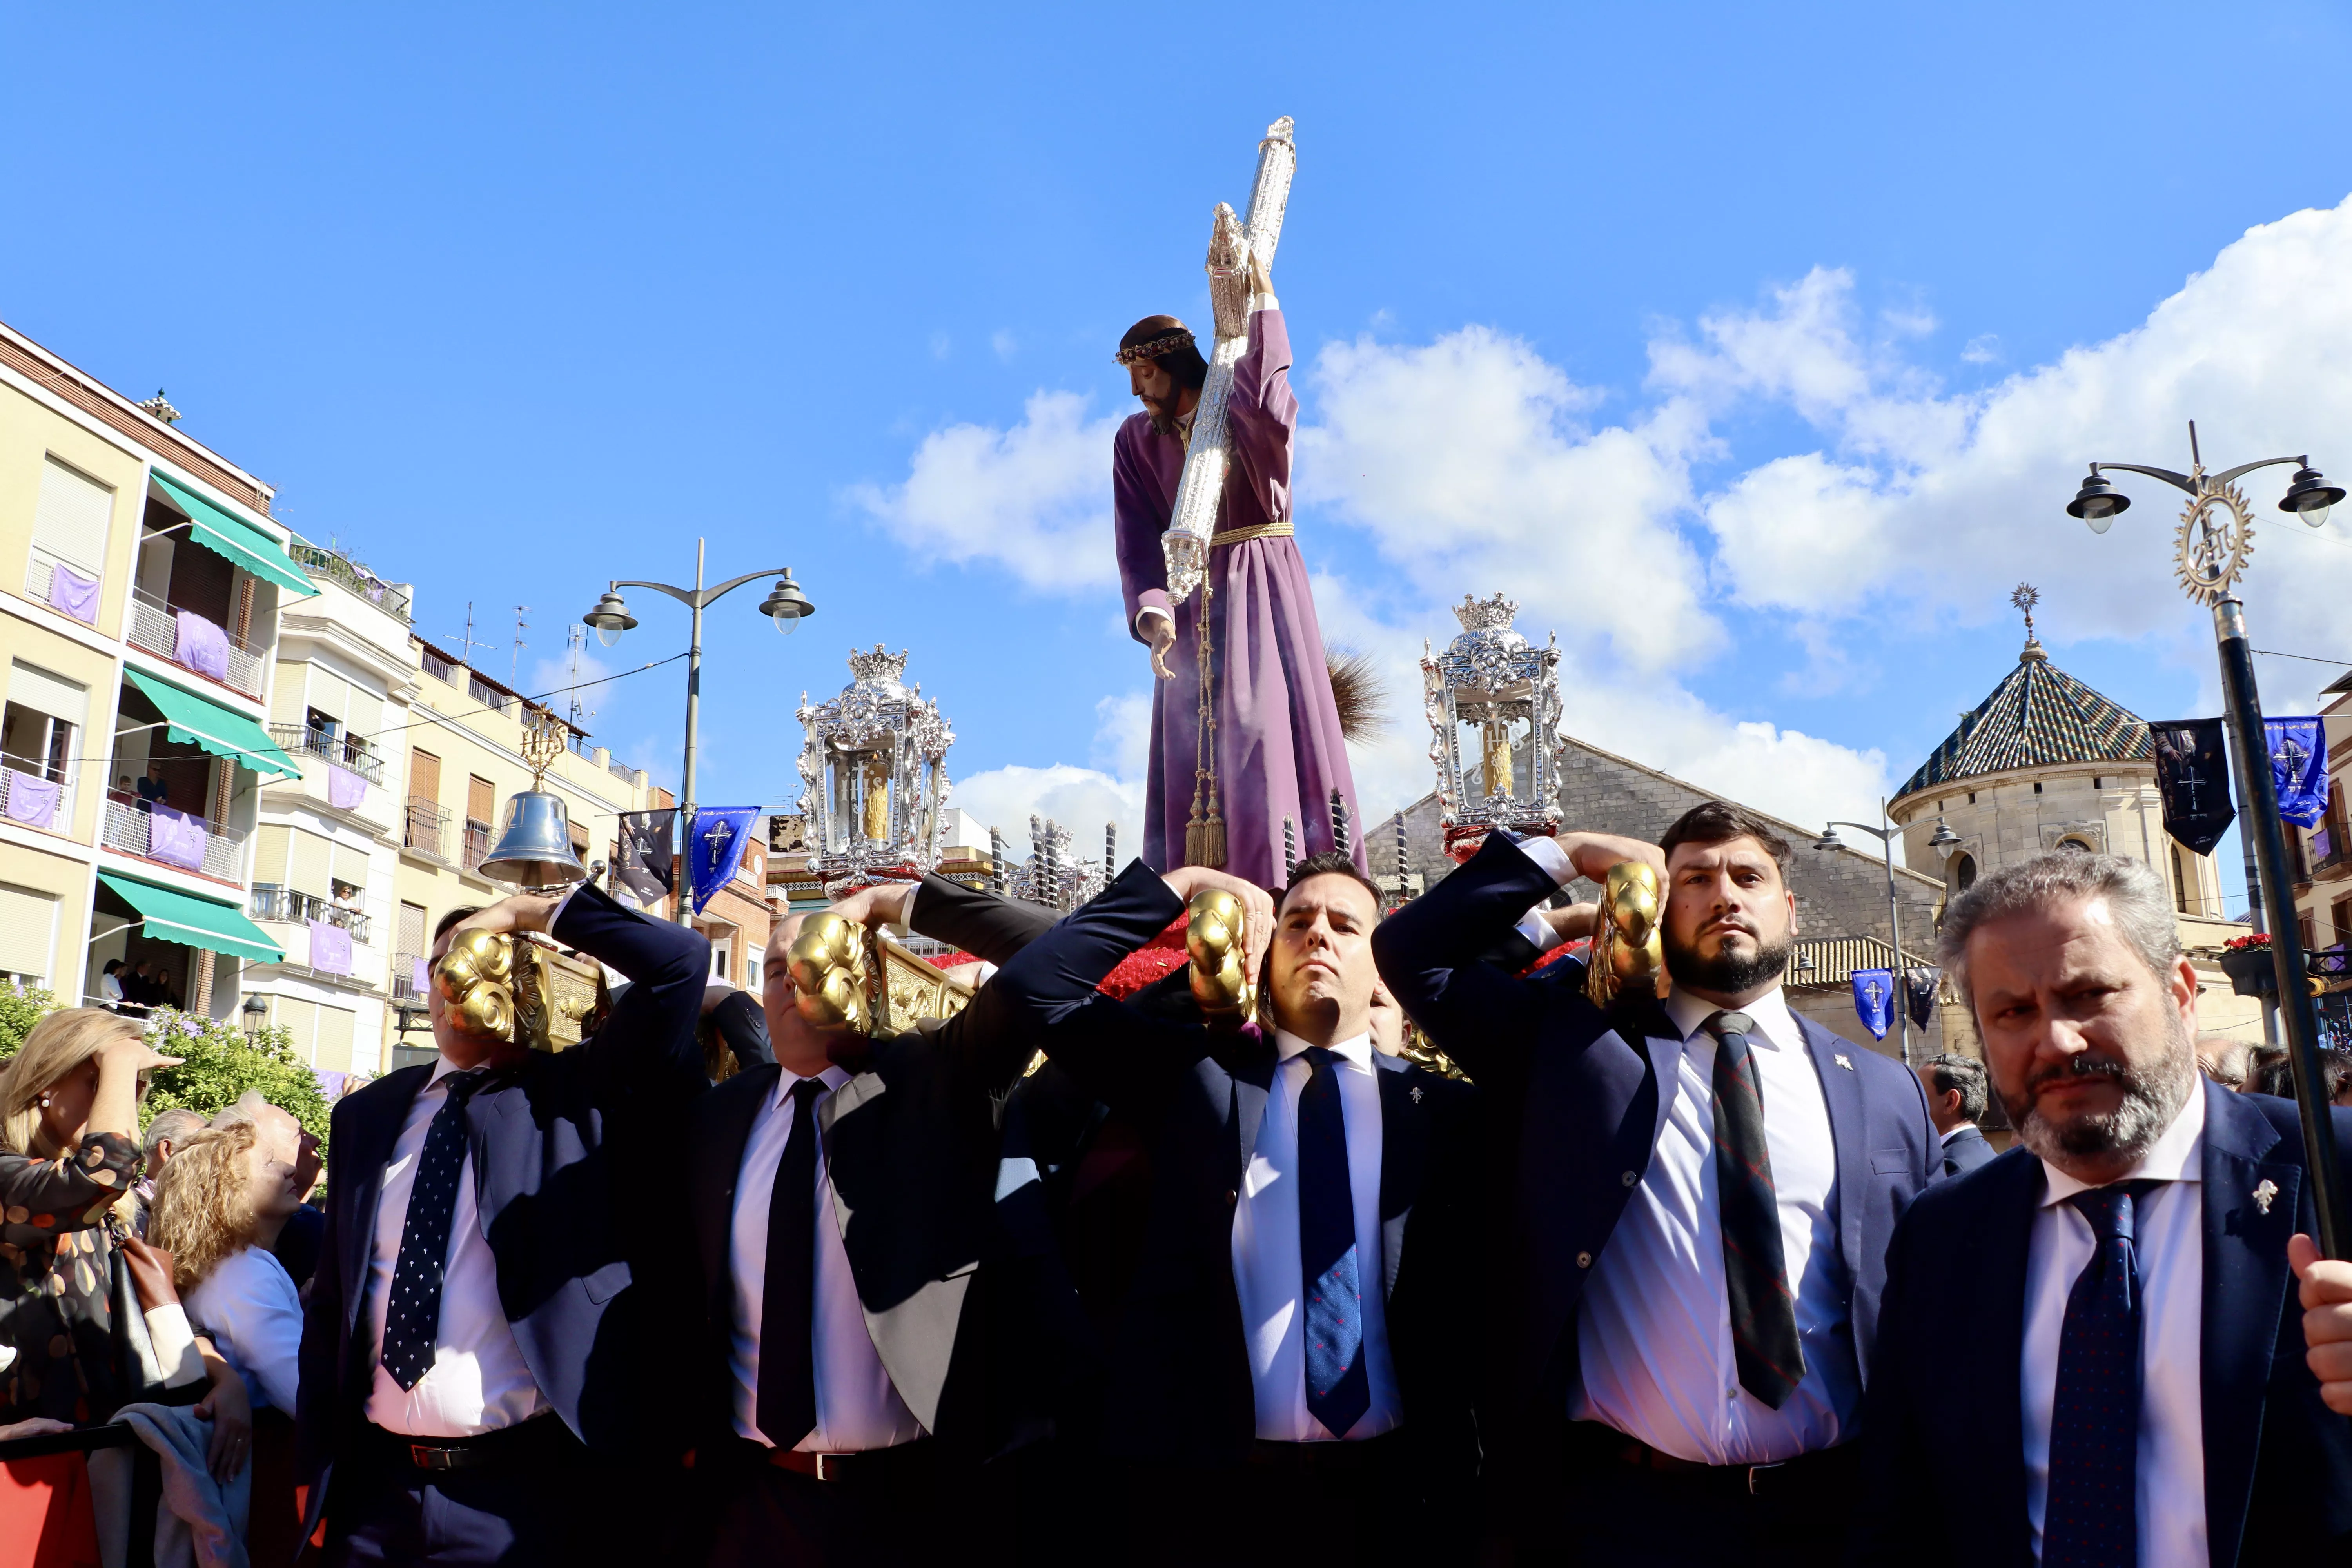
(1573, 1102)
(1965, 1151)
(910, 1144)
(1179, 1379)
(544, 1137)
(1946, 1402)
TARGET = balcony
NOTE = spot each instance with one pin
(346, 751)
(124, 828)
(37, 579)
(406, 967)
(621, 770)
(2333, 866)
(483, 692)
(440, 668)
(273, 904)
(334, 566)
(60, 816)
(155, 627)
(428, 829)
(478, 844)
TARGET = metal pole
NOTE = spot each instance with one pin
(693, 739)
(2258, 919)
(1895, 927)
(2259, 822)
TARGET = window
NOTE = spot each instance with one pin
(69, 524)
(2306, 927)
(28, 927)
(1964, 872)
(2180, 882)
(1973, 797)
(481, 799)
(2339, 918)
(2098, 782)
(2037, 786)
(2075, 844)
(45, 712)
(424, 776)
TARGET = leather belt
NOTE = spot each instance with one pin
(832, 1466)
(1823, 1471)
(1244, 535)
(539, 1437)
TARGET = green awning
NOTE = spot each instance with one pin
(193, 922)
(240, 544)
(214, 728)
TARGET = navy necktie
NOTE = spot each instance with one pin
(2091, 1518)
(1764, 1340)
(412, 1318)
(786, 1402)
(1338, 1388)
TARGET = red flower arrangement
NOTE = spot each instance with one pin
(2251, 940)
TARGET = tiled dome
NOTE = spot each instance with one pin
(2039, 716)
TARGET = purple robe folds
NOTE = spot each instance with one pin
(203, 646)
(331, 948)
(74, 593)
(31, 801)
(345, 789)
(1279, 750)
(174, 838)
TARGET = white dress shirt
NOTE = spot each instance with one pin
(2169, 1223)
(250, 1308)
(479, 1381)
(856, 1408)
(1265, 1247)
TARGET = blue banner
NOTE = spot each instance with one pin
(715, 847)
(2299, 767)
(1874, 1000)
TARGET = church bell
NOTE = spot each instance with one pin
(534, 848)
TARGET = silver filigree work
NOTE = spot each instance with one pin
(1052, 875)
(1492, 688)
(873, 769)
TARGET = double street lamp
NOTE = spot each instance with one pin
(785, 604)
(1943, 843)
(2209, 551)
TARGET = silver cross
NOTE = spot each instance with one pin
(1416, 1094)
(1843, 1060)
(2264, 1194)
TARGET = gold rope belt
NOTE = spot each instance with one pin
(1244, 535)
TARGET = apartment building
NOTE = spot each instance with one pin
(2321, 867)
(140, 582)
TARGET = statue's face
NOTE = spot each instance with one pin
(1150, 382)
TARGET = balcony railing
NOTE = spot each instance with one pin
(483, 692)
(36, 576)
(1832, 960)
(60, 820)
(345, 750)
(427, 831)
(621, 770)
(2333, 866)
(155, 626)
(478, 843)
(403, 977)
(336, 567)
(440, 668)
(273, 904)
(125, 828)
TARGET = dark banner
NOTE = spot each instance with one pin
(644, 869)
(2192, 774)
(1919, 992)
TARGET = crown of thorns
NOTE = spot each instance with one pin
(1167, 342)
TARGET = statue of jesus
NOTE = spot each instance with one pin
(1264, 703)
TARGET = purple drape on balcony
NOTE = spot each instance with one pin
(345, 789)
(31, 801)
(74, 593)
(175, 837)
(203, 647)
(331, 948)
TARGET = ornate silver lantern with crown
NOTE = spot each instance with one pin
(1493, 708)
(874, 774)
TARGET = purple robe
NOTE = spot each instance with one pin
(1279, 750)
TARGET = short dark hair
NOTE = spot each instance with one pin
(1718, 822)
(1965, 1075)
(441, 926)
(111, 965)
(1330, 863)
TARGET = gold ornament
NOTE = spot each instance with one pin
(513, 988)
(1215, 935)
(2216, 536)
(1628, 950)
(828, 967)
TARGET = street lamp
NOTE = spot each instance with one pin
(2210, 551)
(1886, 838)
(254, 1011)
(785, 604)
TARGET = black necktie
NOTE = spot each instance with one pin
(2092, 1517)
(786, 1404)
(1754, 1275)
(1338, 1387)
(412, 1318)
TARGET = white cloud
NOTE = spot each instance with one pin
(1080, 799)
(1034, 499)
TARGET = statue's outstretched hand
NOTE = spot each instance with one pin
(1161, 630)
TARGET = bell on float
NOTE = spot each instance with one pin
(534, 848)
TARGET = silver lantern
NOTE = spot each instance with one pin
(1494, 709)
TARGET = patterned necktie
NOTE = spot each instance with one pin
(412, 1318)
(1754, 1275)
(2091, 1519)
(786, 1400)
(1338, 1388)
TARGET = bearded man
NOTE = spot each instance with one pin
(2098, 1330)
(1699, 1191)
(1266, 704)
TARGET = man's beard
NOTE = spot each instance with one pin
(1727, 973)
(2152, 1096)
(1162, 415)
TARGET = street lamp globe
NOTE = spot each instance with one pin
(1945, 840)
(2311, 496)
(610, 619)
(2098, 503)
(786, 604)
(1829, 840)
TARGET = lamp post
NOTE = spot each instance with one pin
(1944, 841)
(785, 604)
(2210, 551)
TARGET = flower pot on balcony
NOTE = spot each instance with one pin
(2250, 971)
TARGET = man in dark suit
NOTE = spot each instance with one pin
(1957, 1098)
(841, 1196)
(1698, 1198)
(480, 1379)
(2099, 1329)
(1284, 1378)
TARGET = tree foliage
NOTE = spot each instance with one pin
(21, 1007)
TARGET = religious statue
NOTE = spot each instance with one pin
(1245, 730)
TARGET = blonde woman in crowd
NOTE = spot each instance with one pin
(68, 1154)
(219, 1206)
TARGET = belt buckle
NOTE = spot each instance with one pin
(429, 1459)
(820, 1468)
(1756, 1471)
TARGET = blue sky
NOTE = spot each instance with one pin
(1756, 352)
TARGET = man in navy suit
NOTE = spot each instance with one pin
(1283, 1376)
(1958, 1096)
(2098, 1331)
(480, 1382)
(1698, 1192)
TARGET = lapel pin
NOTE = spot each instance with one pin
(2264, 1194)
(1845, 1061)
(1416, 1094)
